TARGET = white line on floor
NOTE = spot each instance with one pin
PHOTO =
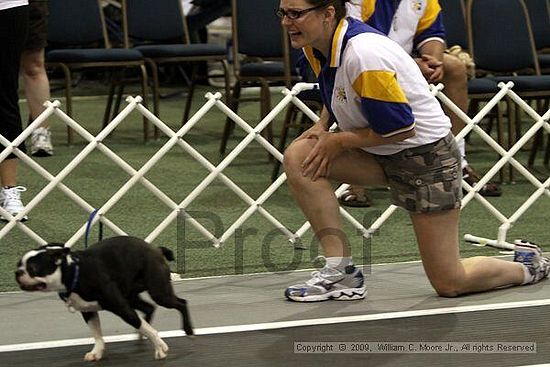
(283, 324)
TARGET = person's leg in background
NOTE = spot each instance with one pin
(35, 78)
(456, 89)
(13, 30)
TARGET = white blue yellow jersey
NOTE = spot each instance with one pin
(370, 81)
(411, 23)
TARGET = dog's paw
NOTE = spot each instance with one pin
(161, 350)
(163, 346)
(93, 356)
(159, 354)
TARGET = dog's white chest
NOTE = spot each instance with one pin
(76, 303)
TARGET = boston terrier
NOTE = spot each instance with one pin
(109, 275)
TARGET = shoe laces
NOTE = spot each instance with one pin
(13, 193)
(319, 276)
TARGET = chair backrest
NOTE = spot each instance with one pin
(159, 21)
(76, 23)
(500, 37)
(256, 30)
(455, 22)
(539, 13)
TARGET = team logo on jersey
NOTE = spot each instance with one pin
(416, 5)
(341, 94)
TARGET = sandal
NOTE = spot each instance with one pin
(355, 197)
(490, 189)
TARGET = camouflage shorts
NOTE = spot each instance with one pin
(426, 178)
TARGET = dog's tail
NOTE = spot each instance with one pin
(167, 253)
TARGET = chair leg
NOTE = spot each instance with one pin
(110, 99)
(111, 110)
(289, 117)
(68, 99)
(155, 91)
(265, 108)
(537, 142)
(517, 124)
(144, 83)
(118, 101)
(225, 67)
(230, 124)
(190, 93)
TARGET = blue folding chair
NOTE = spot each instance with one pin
(502, 43)
(539, 13)
(259, 55)
(455, 23)
(72, 27)
(158, 29)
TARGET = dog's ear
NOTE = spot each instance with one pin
(57, 251)
(53, 246)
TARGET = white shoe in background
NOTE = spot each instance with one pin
(41, 142)
(10, 200)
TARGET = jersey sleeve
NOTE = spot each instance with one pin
(383, 101)
(430, 26)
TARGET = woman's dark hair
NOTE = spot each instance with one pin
(339, 5)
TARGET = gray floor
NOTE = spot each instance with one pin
(499, 316)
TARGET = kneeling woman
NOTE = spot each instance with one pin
(394, 133)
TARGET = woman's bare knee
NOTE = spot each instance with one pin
(455, 70)
(447, 290)
(294, 155)
(32, 64)
(448, 285)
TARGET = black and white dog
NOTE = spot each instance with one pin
(110, 275)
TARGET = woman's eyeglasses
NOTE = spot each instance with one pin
(294, 14)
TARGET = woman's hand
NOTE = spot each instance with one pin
(328, 146)
(431, 68)
(313, 132)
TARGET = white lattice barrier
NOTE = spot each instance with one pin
(542, 188)
(216, 171)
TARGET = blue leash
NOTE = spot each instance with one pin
(89, 226)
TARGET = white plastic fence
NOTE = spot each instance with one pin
(252, 134)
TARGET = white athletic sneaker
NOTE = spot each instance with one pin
(41, 142)
(530, 255)
(10, 199)
(329, 283)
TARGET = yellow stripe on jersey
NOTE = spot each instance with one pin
(367, 8)
(430, 15)
(380, 85)
(337, 42)
(313, 61)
